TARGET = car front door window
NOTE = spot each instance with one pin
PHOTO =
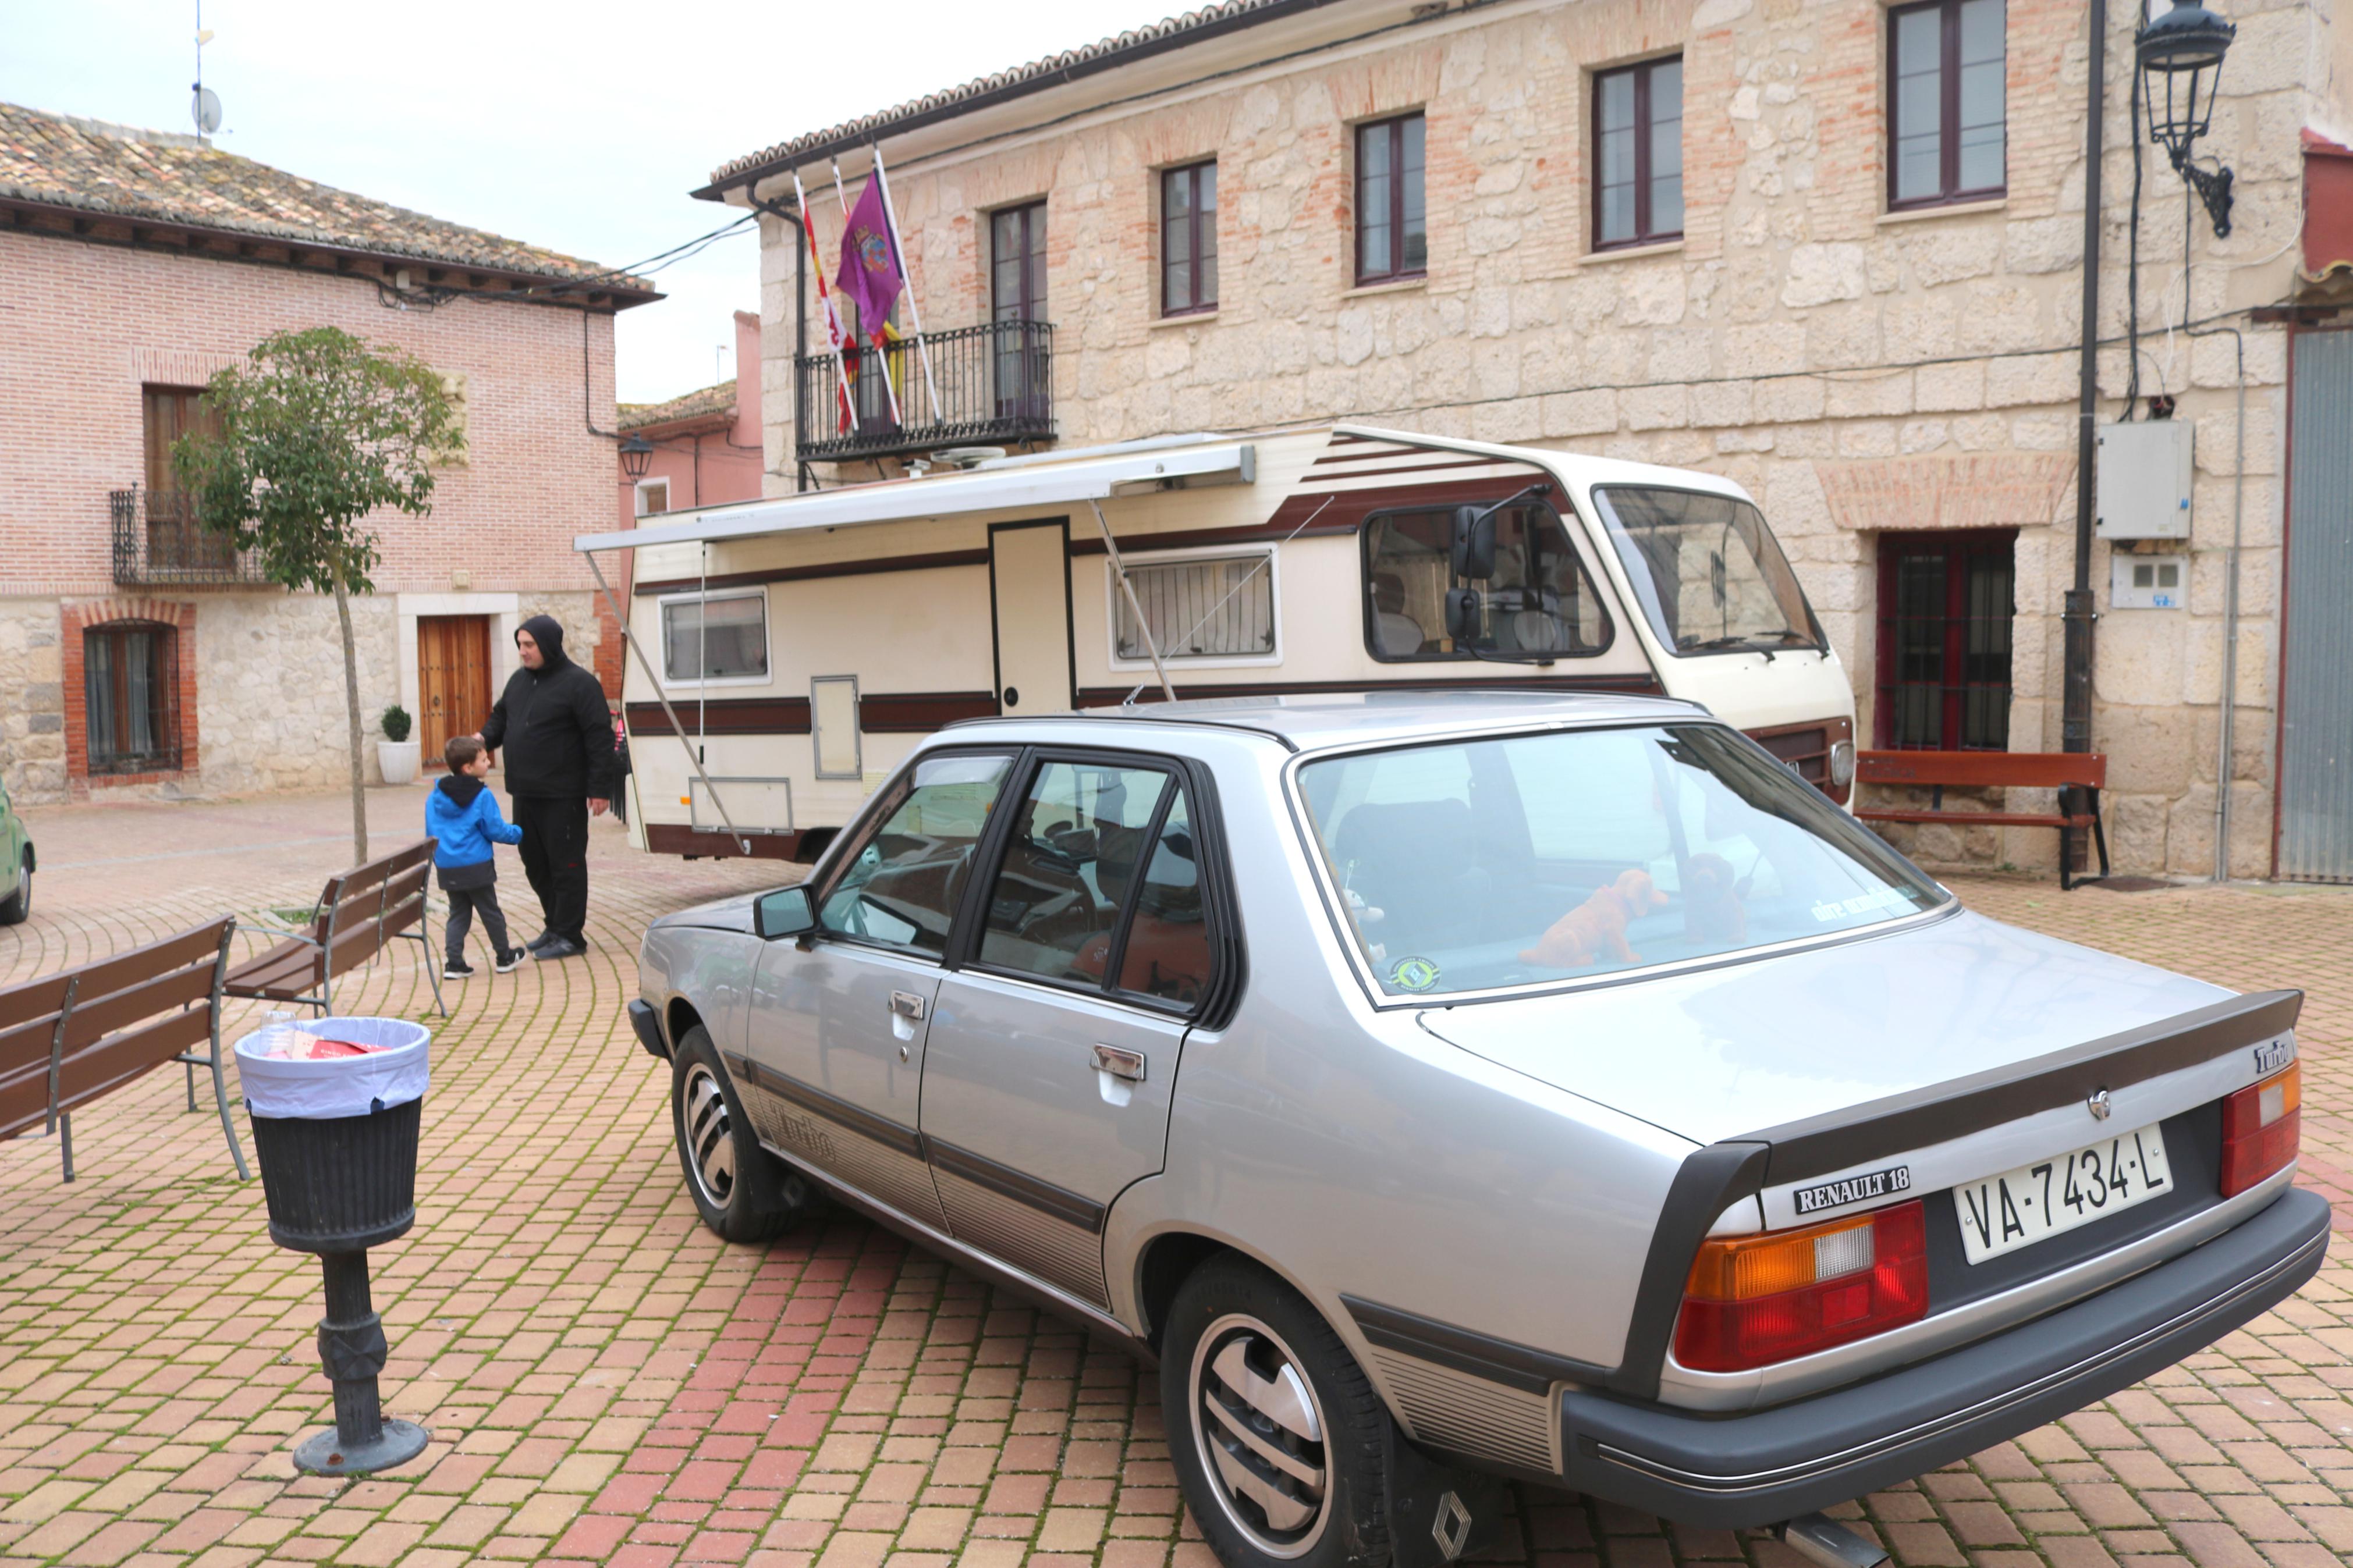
(901, 887)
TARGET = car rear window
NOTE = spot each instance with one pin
(1531, 860)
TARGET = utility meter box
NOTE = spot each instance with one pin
(2143, 477)
(2149, 581)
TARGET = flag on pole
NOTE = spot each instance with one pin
(914, 306)
(868, 276)
(847, 409)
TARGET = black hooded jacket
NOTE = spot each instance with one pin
(553, 725)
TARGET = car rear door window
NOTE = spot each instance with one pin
(900, 885)
(1167, 955)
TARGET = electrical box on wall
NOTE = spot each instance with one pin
(2148, 582)
(2143, 478)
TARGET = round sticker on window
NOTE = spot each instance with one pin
(1413, 974)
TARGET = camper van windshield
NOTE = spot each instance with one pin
(1710, 574)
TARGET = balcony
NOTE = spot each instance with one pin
(996, 386)
(159, 543)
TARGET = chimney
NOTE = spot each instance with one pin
(747, 380)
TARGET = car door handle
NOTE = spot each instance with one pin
(908, 1005)
(1120, 1063)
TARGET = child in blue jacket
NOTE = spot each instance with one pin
(462, 815)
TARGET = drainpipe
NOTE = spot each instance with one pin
(2075, 712)
(2231, 622)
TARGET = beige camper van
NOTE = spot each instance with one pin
(786, 654)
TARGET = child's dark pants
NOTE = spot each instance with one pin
(465, 903)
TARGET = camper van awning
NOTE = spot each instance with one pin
(990, 488)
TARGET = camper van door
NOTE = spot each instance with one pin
(1029, 592)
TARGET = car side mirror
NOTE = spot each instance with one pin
(1463, 616)
(784, 912)
(1474, 555)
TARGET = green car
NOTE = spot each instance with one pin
(15, 864)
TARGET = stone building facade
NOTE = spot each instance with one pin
(136, 654)
(1894, 380)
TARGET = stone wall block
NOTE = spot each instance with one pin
(1722, 402)
(1655, 407)
(2042, 244)
(2136, 827)
(1821, 273)
(1949, 250)
(2012, 382)
(1949, 388)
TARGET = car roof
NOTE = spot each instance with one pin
(1322, 721)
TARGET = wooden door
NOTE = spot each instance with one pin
(453, 678)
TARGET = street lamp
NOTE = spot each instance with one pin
(2181, 53)
(638, 455)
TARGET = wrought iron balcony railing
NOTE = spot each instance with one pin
(159, 543)
(995, 382)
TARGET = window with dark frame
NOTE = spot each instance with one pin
(1189, 239)
(1945, 102)
(1016, 258)
(1945, 608)
(1638, 154)
(1392, 241)
(131, 690)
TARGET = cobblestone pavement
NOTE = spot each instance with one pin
(606, 1382)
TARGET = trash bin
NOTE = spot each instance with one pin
(336, 1138)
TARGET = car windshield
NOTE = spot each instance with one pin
(1532, 859)
(1709, 574)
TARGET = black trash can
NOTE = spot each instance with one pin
(337, 1143)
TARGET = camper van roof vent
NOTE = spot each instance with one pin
(966, 456)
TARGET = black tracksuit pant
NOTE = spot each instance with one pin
(555, 859)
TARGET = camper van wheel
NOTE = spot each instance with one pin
(743, 1191)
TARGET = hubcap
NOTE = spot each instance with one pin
(1261, 1435)
(710, 1141)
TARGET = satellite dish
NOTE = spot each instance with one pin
(206, 110)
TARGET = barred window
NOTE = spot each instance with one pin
(1218, 606)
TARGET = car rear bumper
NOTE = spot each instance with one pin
(1774, 1464)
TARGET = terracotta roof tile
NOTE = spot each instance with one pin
(698, 404)
(125, 171)
(1098, 56)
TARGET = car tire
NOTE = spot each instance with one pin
(1277, 1436)
(743, 1193)
(19, 904)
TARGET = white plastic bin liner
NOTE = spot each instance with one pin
(338, 1086)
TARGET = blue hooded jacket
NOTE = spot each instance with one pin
(464, 818)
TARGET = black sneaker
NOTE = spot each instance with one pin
(562, 947)
(542, 940)
(512, 959)
(456, 969)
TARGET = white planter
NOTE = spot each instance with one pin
(398, 760)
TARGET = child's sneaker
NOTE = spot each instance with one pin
(456, 969)
(512, 959)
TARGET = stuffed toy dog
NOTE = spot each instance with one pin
(1596, 928)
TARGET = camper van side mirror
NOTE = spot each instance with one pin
(1474, 542)
(784, 912)
(1462, 608)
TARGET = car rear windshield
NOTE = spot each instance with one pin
(1709, 574)
(1533, 859)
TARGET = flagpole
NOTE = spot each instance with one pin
(832, 319)
(914, 307)
(874, 329)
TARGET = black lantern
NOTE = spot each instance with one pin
(2180, 56)
(636, 457)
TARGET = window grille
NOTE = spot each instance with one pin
(1221, 608)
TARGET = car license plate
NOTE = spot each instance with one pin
(2035, 1202)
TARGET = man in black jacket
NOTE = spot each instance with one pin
(558, 736)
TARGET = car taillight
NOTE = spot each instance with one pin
(2259, 1129)
(1752, 1300)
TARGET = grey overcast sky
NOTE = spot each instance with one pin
(580, 128)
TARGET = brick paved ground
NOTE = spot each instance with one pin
(607, 1382)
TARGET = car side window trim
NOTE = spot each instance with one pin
(1216, 1001)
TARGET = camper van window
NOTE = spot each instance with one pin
(716, 639)
(1710, 574)
(1201, 608)
(1540, 603)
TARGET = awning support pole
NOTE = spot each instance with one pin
(622, 616)
(1143, 626)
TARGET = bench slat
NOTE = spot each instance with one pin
(27, 1004)
(1983, 770)
(1977, 818)
(174, 988)
(102, 1068)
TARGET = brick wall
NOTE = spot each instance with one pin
(1840, 361)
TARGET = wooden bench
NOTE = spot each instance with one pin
(2078, 776)
(68, 1038)
(358, 912)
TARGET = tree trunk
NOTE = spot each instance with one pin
(351, 715)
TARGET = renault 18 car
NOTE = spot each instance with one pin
(1439, 1087)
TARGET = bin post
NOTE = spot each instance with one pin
(352, 1349)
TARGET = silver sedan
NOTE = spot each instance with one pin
(1447, 1088)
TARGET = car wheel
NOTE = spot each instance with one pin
(743, 1191)
(19, 904)
(1276, 1433)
